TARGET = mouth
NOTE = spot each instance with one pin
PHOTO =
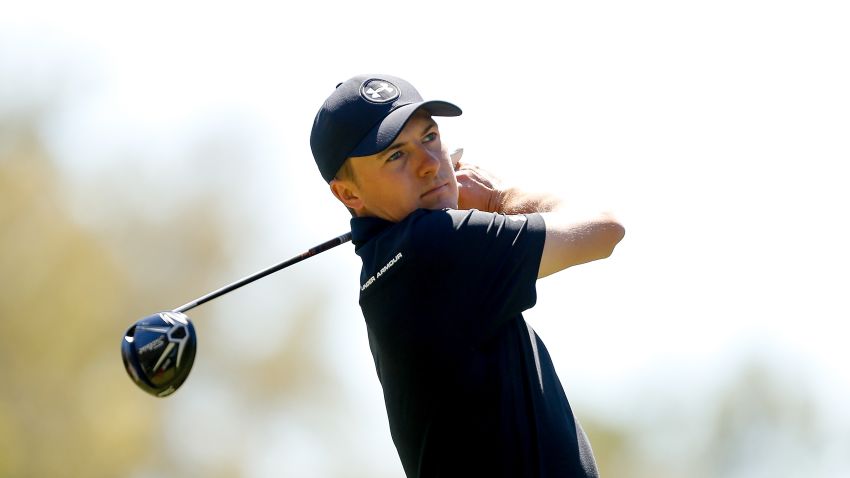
(435, 190)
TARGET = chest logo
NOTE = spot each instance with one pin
(381, 272)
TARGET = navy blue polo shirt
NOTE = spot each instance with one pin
(470, 389)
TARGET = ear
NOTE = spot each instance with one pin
(347, 193)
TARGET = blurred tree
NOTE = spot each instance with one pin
(761, 422)
(610, 443)
(765, 424)
(67, 292)
(61, 413)
(67, 407)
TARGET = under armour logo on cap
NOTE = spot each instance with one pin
(363, 116)
(379, 91)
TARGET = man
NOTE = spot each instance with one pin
(450, 260)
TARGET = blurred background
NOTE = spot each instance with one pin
(151, 152)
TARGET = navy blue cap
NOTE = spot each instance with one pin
(363, 116)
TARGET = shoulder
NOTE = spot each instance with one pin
(455, 229)
(456, 219)
(430, 226)
(438, 221)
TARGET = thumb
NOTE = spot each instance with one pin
(456, 155)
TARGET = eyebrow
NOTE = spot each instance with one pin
(431, 124)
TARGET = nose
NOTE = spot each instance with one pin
(428, 161)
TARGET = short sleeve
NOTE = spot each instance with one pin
(489, 263)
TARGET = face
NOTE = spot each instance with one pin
(414, 172)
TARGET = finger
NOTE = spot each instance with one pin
(456, 155)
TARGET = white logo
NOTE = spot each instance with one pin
(379, 91)
(375, 94)
(179, 323)
(381, 272)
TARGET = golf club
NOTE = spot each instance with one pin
(159, 350)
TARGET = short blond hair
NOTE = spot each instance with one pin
(346, 172)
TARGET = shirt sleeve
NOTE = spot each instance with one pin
(487, 263)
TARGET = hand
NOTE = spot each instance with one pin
(480, 189)
(477, 187)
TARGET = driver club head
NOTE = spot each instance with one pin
(159, 351)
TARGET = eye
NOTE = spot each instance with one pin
(430, 137)
(395, 156)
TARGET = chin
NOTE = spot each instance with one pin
(448, 199)
(449, 204)
(446, 203)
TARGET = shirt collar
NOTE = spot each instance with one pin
(365, 228)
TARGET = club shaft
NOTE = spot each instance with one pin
(259, 275)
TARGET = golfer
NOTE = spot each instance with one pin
(450, 261)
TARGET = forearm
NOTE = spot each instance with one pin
(479, 189)
(518, 201)
(573, 235)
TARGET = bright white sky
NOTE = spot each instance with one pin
(717, 131)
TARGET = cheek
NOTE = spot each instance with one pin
(453, 185)
(398, 191)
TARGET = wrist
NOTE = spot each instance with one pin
(500, 201)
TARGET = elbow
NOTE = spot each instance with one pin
(617, 230)
(612, 231)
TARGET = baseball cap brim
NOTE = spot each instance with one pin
(384, 133)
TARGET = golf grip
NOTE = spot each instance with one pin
(259, 275)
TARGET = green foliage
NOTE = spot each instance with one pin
(65, 408)
(67, 292)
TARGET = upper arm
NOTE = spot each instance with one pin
(475, 272)
(572, 240)
(491, 260)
